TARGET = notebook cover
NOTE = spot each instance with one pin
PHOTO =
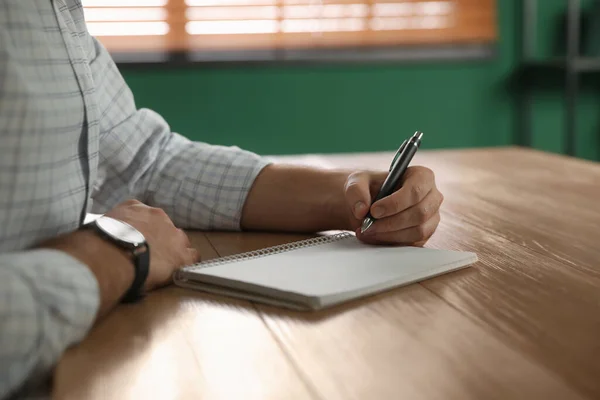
(316, 275)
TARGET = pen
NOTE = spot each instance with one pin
(398, 167)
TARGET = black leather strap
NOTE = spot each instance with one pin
(141, 264)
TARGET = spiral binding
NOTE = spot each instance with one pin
(268, 251)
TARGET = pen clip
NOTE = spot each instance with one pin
(400, 150)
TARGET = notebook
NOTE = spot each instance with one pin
(320, 272)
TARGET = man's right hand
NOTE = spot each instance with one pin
(170, 248)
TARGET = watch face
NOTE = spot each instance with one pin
(120, 230)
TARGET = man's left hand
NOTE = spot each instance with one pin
(409, 216)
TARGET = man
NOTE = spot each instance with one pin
(72, 141)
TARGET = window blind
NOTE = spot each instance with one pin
(139, 25)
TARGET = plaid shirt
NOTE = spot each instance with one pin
(71, 142)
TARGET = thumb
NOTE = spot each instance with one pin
(357, 194)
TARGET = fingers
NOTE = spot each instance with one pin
(417, 184)
(357, 194)
(410, 236)
(133, 204)
(160, 213)
(130, 202)
(191, 256)
(415, 215)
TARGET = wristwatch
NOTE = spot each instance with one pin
(128, 238)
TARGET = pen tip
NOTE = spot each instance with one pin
(418, 135)
(366, 225)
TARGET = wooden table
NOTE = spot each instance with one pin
(523, 323)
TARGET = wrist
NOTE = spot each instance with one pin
(89, 248)
(336, 207)
(111, 266)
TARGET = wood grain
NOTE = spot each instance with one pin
(538, 305)
(549, 230)
(179, 344)
(408, 344)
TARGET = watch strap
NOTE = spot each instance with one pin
(141, 264)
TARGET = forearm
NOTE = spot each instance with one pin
(296, 199)
(111, 266)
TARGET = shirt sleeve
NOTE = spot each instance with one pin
(199, 185)
(48, 302)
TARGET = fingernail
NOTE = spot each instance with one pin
(358, 208)
(378, 212)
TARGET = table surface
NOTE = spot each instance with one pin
(523, 322)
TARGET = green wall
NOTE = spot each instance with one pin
(343, 108)
(548, 93)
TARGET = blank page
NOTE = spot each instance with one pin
(335, 267)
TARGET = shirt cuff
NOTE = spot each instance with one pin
(214, 187)
(50, 302)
